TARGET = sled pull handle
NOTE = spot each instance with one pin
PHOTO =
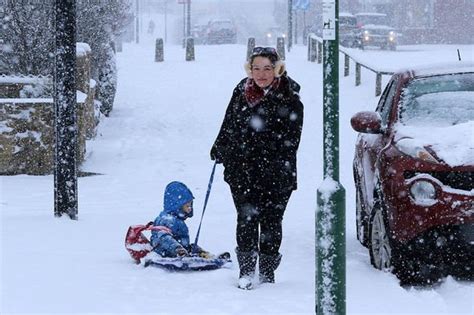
(209, 186)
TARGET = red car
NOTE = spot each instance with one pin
(414, 175)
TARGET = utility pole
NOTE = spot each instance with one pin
(166, 21)
(184, 24)
(65, 115)
(188, 19)
(137, 22)
(290, 24)
(330, 216)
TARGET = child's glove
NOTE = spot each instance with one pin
(215, 156)
(181, 252)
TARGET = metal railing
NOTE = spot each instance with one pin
(315, 52)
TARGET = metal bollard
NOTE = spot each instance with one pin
(159, 55)
(378, 84)
(314, 49)
(320, 52)
(357, 74)
(189, 49)
(309, 47)
(250, 47)
(346, 65)
(281, 47)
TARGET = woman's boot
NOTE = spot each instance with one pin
(247, 263)
(267, 265)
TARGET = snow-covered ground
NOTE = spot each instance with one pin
(165, 120)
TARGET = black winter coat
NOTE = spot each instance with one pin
(258, 145)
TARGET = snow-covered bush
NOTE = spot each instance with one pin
(27, 39)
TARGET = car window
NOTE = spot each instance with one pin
(442, 100)
(372, 19)
(385, 102)
(221, 25)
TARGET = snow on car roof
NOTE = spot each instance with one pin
(443, 68)
(438, 68)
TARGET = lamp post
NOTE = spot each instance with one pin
(188, 19)
(330, 216)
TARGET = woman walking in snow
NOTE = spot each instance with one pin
(257, 145)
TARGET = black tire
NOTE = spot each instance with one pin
(361, 217)
(380, 244)
(413, 270)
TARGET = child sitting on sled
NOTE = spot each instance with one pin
(173, 239)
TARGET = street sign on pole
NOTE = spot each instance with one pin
(329, 20)
(330, 215)
(301, 5)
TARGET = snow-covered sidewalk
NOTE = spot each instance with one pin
(165, 119)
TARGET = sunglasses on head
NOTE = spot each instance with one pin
(264, 50)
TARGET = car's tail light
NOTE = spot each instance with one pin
(423, 192)
(410, 147)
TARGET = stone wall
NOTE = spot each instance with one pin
(27, 124)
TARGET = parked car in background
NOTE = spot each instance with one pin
(414, 175)
(349, 33)
(198, 32)
(375, 31)
(272, 34)
(221, 32)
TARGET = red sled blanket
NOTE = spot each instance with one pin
(140, 249)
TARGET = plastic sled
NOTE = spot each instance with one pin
(187, 263)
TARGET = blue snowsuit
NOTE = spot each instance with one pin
(172, 217)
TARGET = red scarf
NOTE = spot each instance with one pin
(254, 94)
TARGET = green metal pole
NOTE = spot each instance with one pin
(330, 215)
